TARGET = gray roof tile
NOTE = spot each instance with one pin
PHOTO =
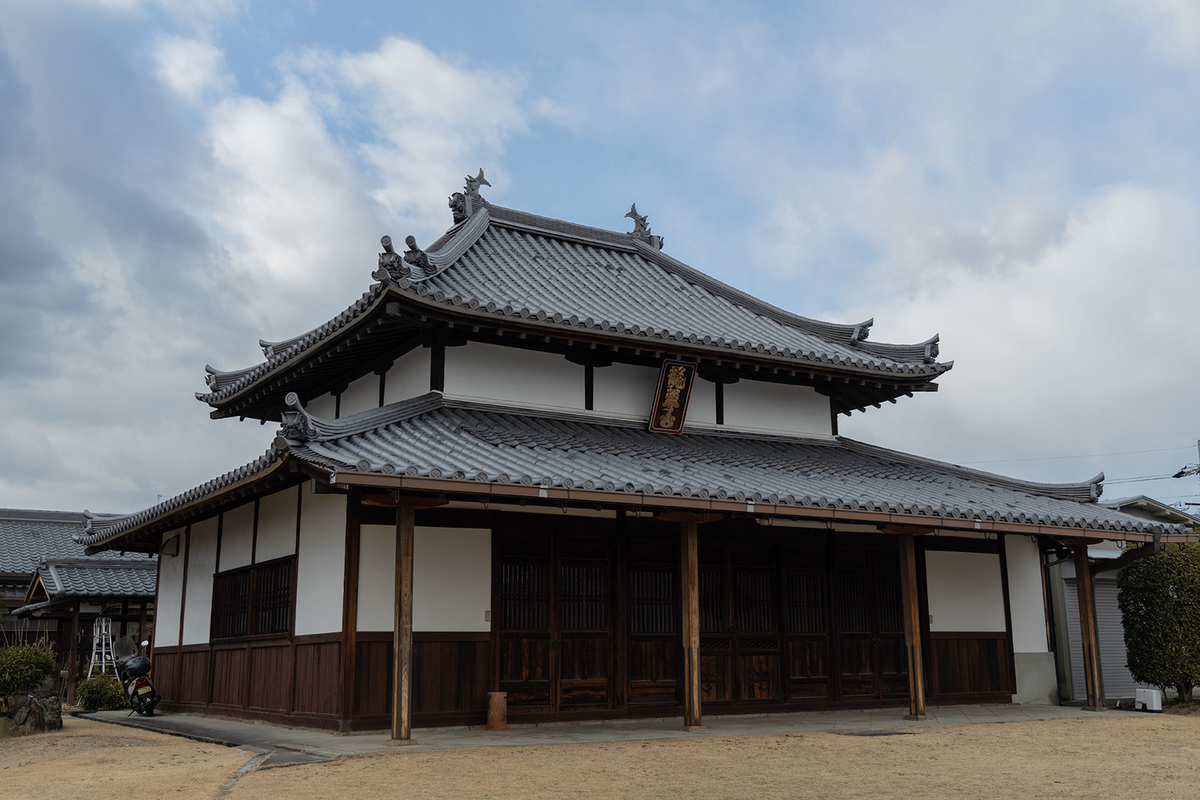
(431, 436)
(98, 577)
(28, 536)
(508, 263)
(439, 438)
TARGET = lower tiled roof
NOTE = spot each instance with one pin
(440, 438)
(436, 437)
(98, 577)
(27, 536)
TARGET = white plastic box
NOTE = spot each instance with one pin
(1147, 700)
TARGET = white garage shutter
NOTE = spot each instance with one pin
(1118, 683)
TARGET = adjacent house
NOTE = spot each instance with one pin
(52, 591)
(550, 460)
(1118, 683)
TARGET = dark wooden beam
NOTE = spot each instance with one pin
(688, 516)
(906, 530)
(1126, 558)
(689, 560)
(909, 590)
(73, 658)
(402, 638)
(1092, 676)
(349, 612)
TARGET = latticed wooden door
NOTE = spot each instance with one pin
(555, 621)
(869, 622)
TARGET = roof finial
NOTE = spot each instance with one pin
(297, 424)
(463, 204)
(390, 265)
(415, 255)
(640, 228)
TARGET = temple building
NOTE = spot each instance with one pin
(550, 460)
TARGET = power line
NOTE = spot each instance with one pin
(1093, 455)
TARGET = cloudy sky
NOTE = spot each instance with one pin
(179, 179)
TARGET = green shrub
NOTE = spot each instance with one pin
(1159, 598)
(22, 668)
(101, 693)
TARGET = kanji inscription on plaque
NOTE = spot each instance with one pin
(671, 400)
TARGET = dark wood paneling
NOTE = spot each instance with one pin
(270, 677)
(450, 675)
(318, 660)
(373, 675)
(165, 672)
(969, 664)
(230, 676)
(193, 675)
(654, 670)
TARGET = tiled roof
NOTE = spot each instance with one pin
(28, 536)
(98, 577)
(435, 437)
(565, 277)
(439, 438)
(97, 529)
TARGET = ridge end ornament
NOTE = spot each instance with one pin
(390, 263)
(463, 204)
(641, 230)
(415, 255)
(297, 424)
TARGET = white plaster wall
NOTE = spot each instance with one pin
(170, 591)
(320, 568)
(702, 405)
(202, 563)
(1025, 599)
(377, 578)
(361, 395)
(237, 534)
(452, 579)
(777, 407)
(625, 390)
(324, 406)
(513, 375)
(408, 376)
(965, 593)
(276, 525)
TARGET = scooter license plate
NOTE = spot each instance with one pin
(144, 690)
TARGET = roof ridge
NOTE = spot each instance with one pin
(98, 529)
(1088, 491)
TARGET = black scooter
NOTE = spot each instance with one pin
(134, 670)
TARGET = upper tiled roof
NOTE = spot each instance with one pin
(28, 536)
(545, 272)
(98, 577)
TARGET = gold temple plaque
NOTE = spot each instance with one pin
(671, 400)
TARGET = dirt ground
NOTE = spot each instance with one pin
(1152, 756)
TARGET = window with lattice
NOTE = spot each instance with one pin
(254, 600)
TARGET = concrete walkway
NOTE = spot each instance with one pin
(301, 745)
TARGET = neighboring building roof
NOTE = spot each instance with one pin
(27, 536)
(562, 277)
(98, 577)
(443, 439)
(1149, 508)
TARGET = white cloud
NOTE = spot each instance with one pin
(1086, 347)
(1172, 25)
(191, 67)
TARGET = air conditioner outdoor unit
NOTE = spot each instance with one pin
(1147, 700)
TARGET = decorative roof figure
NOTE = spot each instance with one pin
(463, 204)
(389, 263)
(641, 230)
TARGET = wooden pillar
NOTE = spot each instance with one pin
(402, 643)
(912, 626)
(1087, 627)
(689, 559)
(73, 658)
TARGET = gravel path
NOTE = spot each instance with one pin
(1119, 756)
